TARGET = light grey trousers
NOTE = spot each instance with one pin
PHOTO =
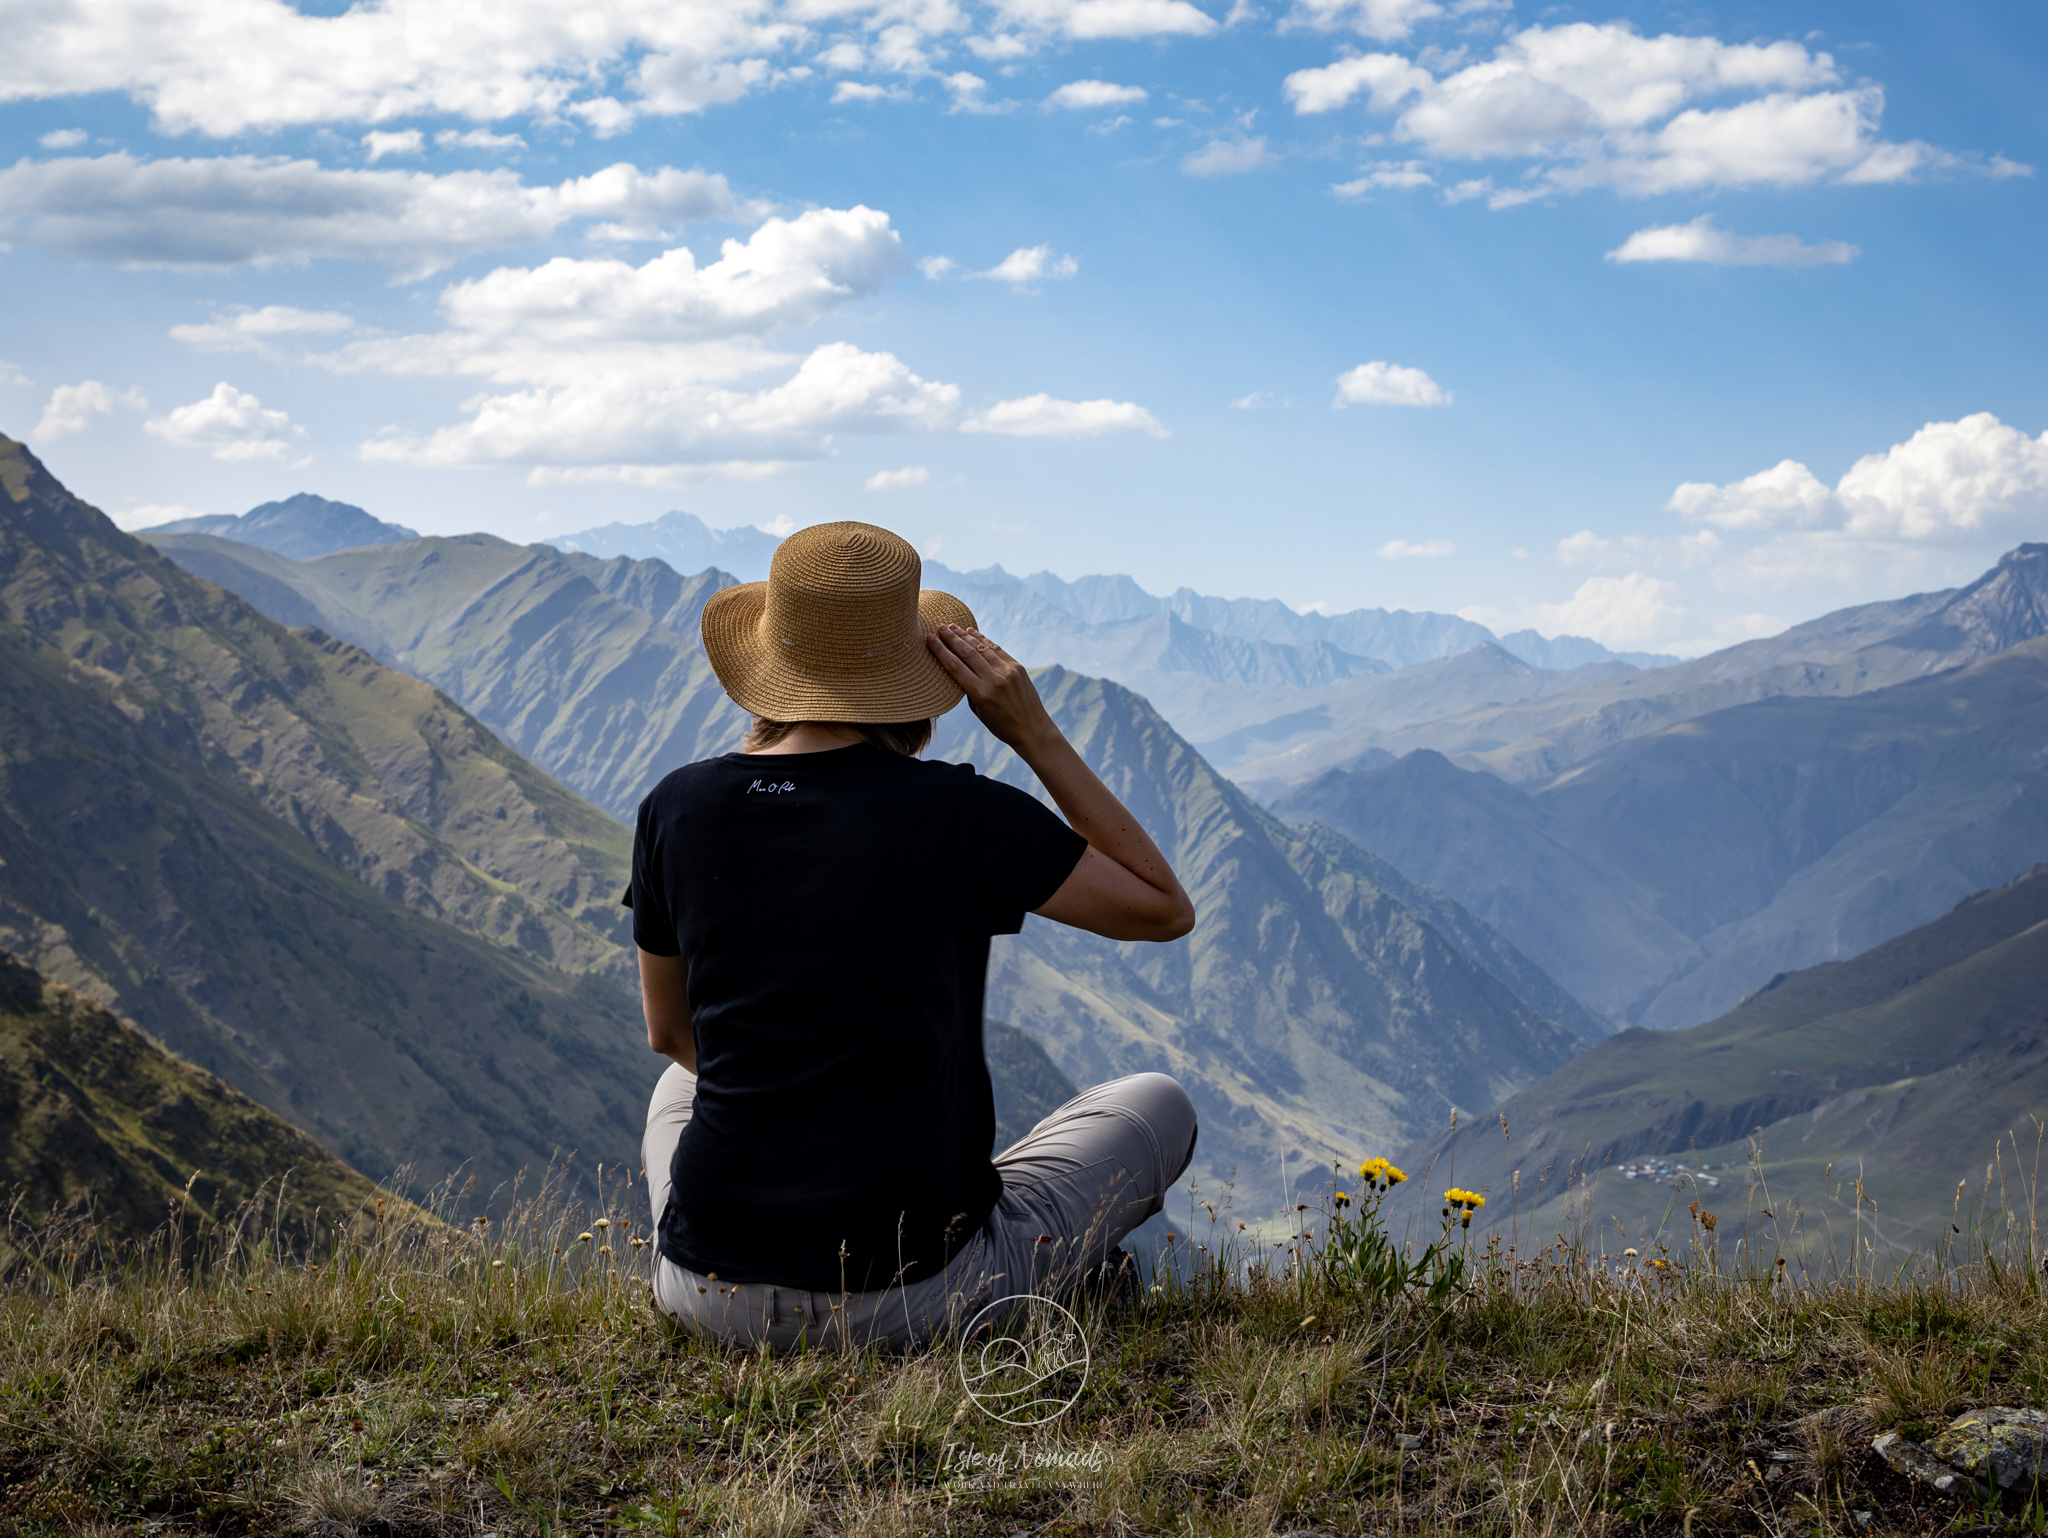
(1072, 1188)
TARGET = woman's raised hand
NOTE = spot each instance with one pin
(999, 690)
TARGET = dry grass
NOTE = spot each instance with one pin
(425, 1378)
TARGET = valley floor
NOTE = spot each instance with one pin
(453, 1379)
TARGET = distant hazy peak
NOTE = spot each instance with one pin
(300, 527)
(683, 540)
(1397, 637)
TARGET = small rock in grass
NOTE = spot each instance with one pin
(1916, 1462)
(1408, 1442)
(2009, 1447)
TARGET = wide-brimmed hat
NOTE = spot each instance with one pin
(836, 633)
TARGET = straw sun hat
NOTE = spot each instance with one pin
(836, 633)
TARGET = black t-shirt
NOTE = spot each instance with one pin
(834, 910)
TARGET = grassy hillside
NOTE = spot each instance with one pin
(519, 1383)
(298, 868)
(105, 1129)
(1905, 1068)
(1028, 1087)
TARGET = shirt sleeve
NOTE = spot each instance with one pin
(1024, 852)
(654, 925)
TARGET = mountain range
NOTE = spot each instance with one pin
(1324, 1001)
(1917, 1069)
(1667, 877)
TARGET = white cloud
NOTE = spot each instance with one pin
(899, 480)
(595, 369)
(1031, 264)
(1082, 95)
(73, 408)
(1402, 175)
(1586, 548)
(1386, 20)
(1041, 416)
(936, 267)
(244, 208)
(1604, 106)
(1700, 241)
(245, 330)
(1000, 48)
(406, 141)
(229, 424)
(1948, 479)
(477, 139)
(1402, 550)
(966, 89)
(10, 375)
(148, 515)
(1626, 613)
(1387, 79)
(1088, 19)
(1388, 384)
(1227, 157)
(1787, 494)
(63, 138)
(844, 58)
(861, 90)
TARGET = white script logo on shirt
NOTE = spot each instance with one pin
(770, 788)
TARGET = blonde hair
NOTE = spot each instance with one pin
(909, 738)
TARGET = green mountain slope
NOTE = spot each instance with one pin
(96, 1119)
(591, 668)
(1028, 1087)
(1905, 1065)
(1668, 877)
(298, 868)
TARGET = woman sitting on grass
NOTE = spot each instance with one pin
(813, 917)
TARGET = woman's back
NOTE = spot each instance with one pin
(834, 911)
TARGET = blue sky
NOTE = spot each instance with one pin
(1667, 324)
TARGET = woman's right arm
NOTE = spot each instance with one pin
(1123, 888)
(665, 1000)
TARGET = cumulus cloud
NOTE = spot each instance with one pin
(1402, 550)
(63, 138)
(148, 515)
(246, 330)
(600, 370)
(235, 209)
(229, 424)
(1601, 105)
(1042, 416)
(74, 408)
(1227, 157)
(1948, 479)
(899, 480)
(1031, 264)
(1701, 241)
(406, 141)
(10, 375)
(861, 90)
(1388, 384)
(1081, 95)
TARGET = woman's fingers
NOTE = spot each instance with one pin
(969, 656)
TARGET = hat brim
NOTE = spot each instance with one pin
(765, 681)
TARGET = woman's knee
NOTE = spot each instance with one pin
(1167, 1110)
